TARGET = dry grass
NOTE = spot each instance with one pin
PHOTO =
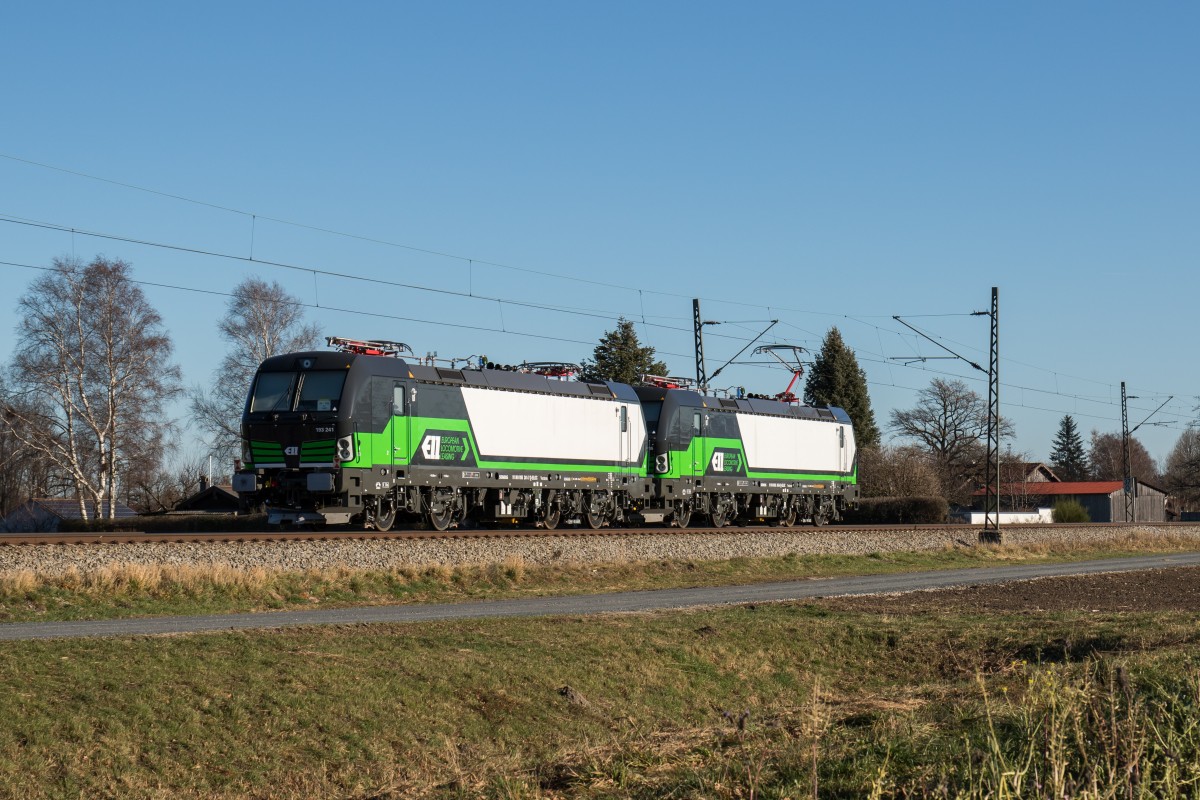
(133, 589)
(1128, 542)
(124, 579)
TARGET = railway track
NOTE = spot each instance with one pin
(350, 534)
(347, 534)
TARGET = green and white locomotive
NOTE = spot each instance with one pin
(361, 434)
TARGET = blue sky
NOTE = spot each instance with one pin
(823, 164)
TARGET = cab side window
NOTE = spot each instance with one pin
(398, 392)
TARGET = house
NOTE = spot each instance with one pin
(210, 500)
(45, 513)
(1026, 472)
(1104, 501)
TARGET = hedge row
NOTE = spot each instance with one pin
(899, 511)
(190, 523)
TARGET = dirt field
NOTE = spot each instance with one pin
(1149, 590)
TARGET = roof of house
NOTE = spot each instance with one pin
(214, 497)
(1030, 467)
(1044, 488)
(68, 507)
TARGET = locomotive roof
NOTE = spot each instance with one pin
(399, 368)
(691, 399)
(520, 381)
(321, 359)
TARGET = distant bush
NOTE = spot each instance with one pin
(1070, 511)
(899, 511)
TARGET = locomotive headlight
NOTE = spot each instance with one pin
(345, 448)
(247, 454)
(662, 462)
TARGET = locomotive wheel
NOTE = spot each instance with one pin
(440, 521)
(440, 511)
(385, 513)
(723, 508)
(593, 511)
(788, 518)
(552, 516)
(683, 515)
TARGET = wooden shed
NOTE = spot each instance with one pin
(1104, 501)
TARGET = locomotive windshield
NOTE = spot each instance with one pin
(319, 390)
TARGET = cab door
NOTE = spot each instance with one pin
(697, 460)
(400, 424)
(844, 451)
(625, 452)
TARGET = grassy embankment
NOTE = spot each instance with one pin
(147, 590)
(790, 700)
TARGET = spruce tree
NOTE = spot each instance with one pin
(1068, 457)
(621, 357)
(836, 380)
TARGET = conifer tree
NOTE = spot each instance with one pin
(836, 380)
(1068, 456)
(620, 357)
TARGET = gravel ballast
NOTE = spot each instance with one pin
(534, 550)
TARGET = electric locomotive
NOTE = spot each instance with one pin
(750, 460)
(362, 434)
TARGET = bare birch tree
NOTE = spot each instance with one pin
(261, 320)
(91, 377)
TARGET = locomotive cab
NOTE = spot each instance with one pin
(296, 432)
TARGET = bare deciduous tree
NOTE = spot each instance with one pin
(160, 490)
(1182, 473)
(91, 377)
(261, 320)
(950, 423)
(24, 473)
(897, 472)
(1108, 461)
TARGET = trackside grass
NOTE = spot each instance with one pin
(143, 590)
(785, 701)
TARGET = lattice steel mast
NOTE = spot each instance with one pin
(701, 378)
(991, 517)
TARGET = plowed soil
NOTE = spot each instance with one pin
(1148, 590)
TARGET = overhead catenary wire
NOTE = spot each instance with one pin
(471, 261)
(1182, 425)
(500, 301)
(354, 311)
(15, 220)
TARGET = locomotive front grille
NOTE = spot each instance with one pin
(318, 452)
(264, 453)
